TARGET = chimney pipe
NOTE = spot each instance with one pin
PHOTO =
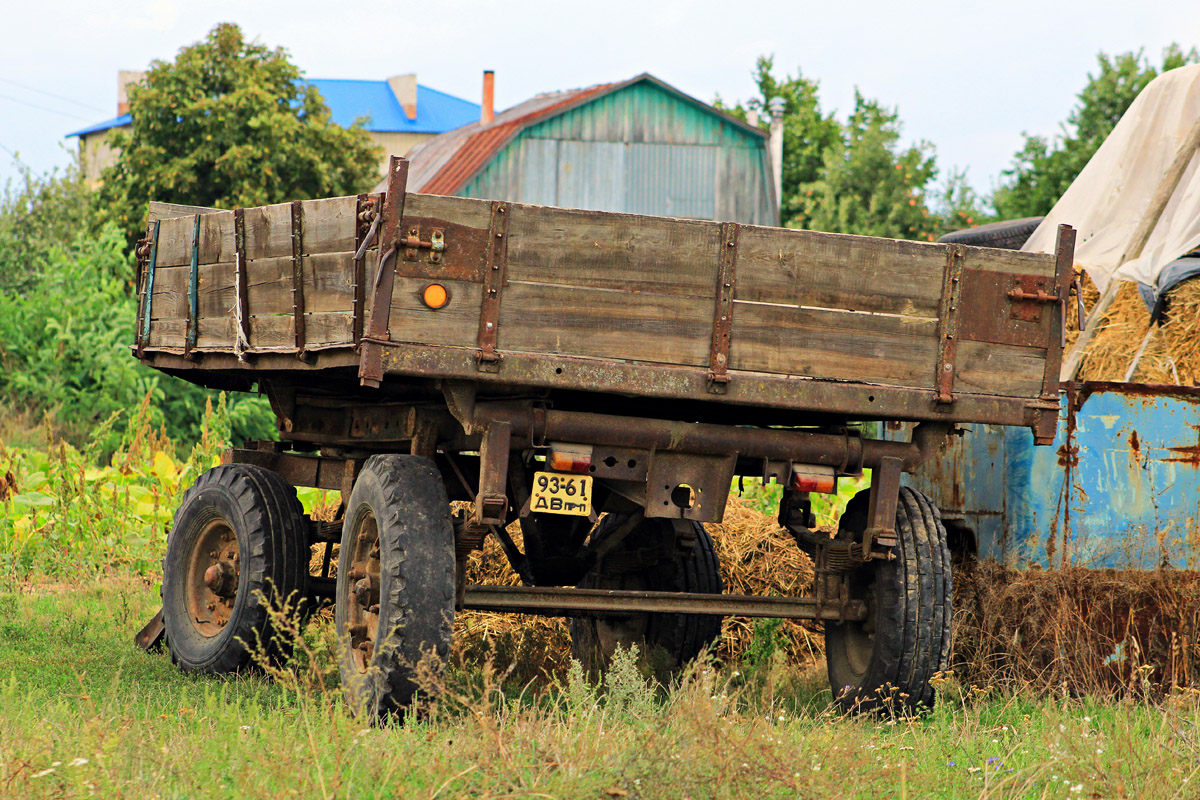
(487, 111)
(775, 142)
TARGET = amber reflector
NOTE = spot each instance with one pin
(435, 295)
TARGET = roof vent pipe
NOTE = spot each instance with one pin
(776, 107)
(487, 111)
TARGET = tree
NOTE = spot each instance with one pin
(230, 123)
(807, 133)
(1043, 168)
(870, 185)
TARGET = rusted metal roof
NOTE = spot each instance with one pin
(446, 163)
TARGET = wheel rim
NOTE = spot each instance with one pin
(363, 592)
(859, 637)
(212, 578)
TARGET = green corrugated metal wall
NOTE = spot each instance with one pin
(640, 149)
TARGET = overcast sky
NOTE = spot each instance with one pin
(969, 77)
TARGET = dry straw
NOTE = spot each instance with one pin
(1172, 353)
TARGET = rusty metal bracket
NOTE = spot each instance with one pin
(948, 324)
(298, 279)
(413, 243)
(718, 363)
(366, 227)
(491, 501)
(1064, 271)
(494, 279)
(193, 310)
(242, 304)
(370, 368)
(881, 513)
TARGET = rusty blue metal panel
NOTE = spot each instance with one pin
(1120, 487)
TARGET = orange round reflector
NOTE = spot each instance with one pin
(435, 295)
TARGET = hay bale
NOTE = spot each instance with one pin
(1078, 631)
(1172, 355)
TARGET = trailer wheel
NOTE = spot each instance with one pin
(395, 582)
(1011, 234)
(668, 641)
(237, 543)
(889, 660)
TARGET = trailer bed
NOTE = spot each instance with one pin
(586, 301)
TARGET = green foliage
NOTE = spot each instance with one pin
(38, 212)
(958, 205)
(807, 133)
(871, 185)
(1043, 168)
(230, 123)
(828, 508)
(68, 512)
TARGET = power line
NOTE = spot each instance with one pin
(43, 108)
(52, 94)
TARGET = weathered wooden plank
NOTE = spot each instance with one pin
(170, 293)
(999, 369)
(170, 333)
(671, 329)
(174, 242)
(612, 251)
(268, 231)
(160, 210)
(464, 211)
(455, 324)
(275, 332)
(1013, 261)
(828, 270)
(833, 345)
(216, 238)
(329, 225)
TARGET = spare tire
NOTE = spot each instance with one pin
(1007, 235)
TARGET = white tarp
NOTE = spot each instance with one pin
(1106, 202)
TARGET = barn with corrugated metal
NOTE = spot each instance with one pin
(640, 146)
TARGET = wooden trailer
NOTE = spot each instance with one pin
(598, 378)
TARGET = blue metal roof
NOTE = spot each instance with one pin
(437, 112)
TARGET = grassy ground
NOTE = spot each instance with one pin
(82, 713)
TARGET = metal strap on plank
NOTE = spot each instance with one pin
(722, 327)
(193, 306)
(365, 209)
(947, 333)
(370, 367)
(494, 279)
(298, 279)
(240, 286)
(148, 304)
(1064, 273)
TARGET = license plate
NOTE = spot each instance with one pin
(556, 493)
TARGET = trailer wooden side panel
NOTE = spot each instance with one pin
(734, 307)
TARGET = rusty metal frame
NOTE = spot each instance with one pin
(298, 278)
(882, 503)
(494, 280)
(565, 601)
(318, 472)
(947, 330)
(370, 371)
(491, 501)
(761, 390)
(718, 374)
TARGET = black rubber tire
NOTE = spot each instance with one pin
(666, 641)
(1010, 234)
(407, 498)
(262, 510)
(889, 662)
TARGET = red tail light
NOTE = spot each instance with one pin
(812, 478)
(570, 458)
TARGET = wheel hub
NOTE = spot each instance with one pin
(212, 578)
(363, 600)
